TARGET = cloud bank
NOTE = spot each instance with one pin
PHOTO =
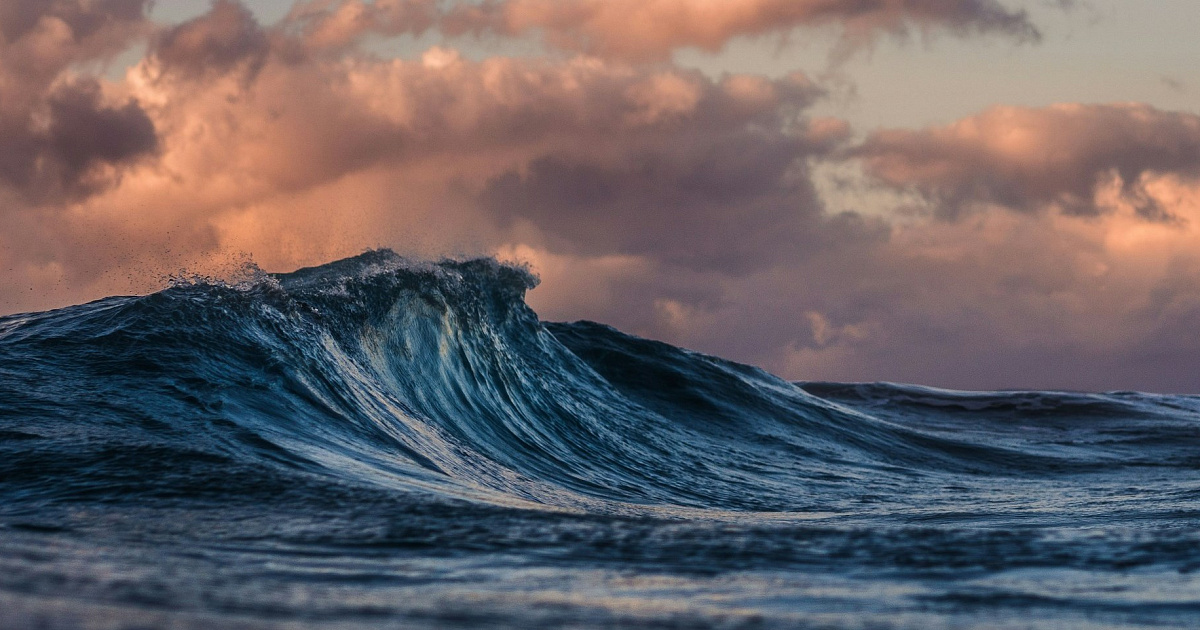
(1060, 248)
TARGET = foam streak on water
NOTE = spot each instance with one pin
(383, 443)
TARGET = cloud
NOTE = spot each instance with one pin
(1063, 156)
(229, 141)
(41, 38)
(994, 300)
(1073, 261)
(83, 133)
(302, 124)
(708, 175)
(665, 201)
(85, 20)
(331, 25)
(61, 136)
(653, 29)
(226, 37)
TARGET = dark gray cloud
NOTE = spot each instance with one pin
(60, 138)
(225, 38)
(716, 175)
(83, 131)
(58, 160)
(734, 202)
(690, 172)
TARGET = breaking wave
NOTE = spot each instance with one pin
(382, 376)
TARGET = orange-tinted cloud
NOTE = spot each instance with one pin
(653, 29)
(300, 157)
(1061, 156)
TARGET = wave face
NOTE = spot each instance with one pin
(385, 442)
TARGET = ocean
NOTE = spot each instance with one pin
(388, 443)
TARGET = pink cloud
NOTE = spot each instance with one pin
(257, 149)
(1035, 158)
(653, 29)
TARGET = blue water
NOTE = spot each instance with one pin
(387, 443)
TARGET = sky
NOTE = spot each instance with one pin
(975, 194)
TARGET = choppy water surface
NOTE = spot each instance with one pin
(384, 443)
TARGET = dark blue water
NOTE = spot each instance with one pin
(383, 443)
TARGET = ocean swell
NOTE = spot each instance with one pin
(438, 377)
(387, 439)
